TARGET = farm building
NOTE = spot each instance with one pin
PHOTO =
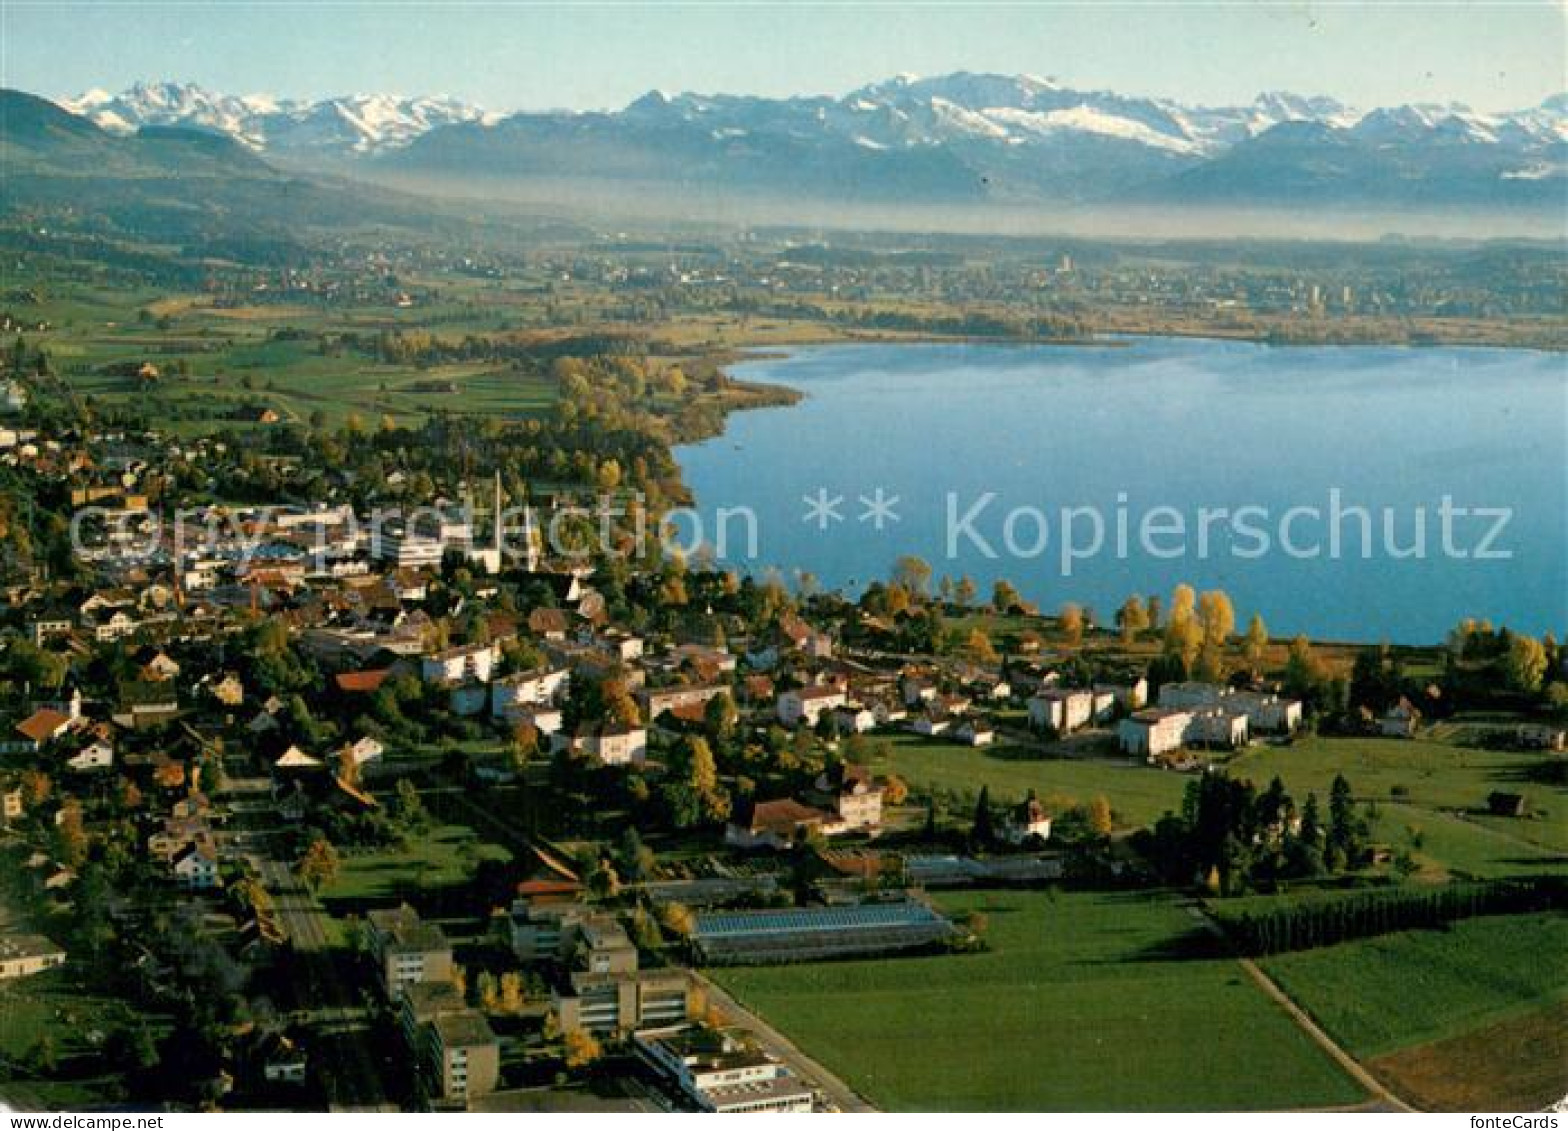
(800, 934)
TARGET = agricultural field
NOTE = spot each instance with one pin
(1084, 1001)
(232, 362)
(1521, 1066)
(1382, 994)
(1471, 1017)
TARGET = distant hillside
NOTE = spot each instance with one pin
(173, 185)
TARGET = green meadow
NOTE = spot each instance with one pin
(1084, 1001)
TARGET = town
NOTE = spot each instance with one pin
(437, 813)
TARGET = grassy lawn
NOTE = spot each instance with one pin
(1429, 774)
(1084, 1002)
(1138, 794)
(443, 857)
(1383, 994)
(48, 1006)
(1435, 789)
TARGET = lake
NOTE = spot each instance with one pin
(1357, 493)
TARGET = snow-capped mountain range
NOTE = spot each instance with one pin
(953, 139)
(902, 112)
(356, 124)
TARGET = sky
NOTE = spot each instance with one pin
(525, 55)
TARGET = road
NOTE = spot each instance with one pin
(1382, 1098)
(782, 1049)
(336, 1014)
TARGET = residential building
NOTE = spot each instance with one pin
(1266, 713)
(514, 694)
(406, 949)
(853, 795)
(1062, 710)
(465, 663)
(807, 704)
(195, 866)
(464, 1054)
(1026, 820)
(776, 824)
(659, 700)
(1153, 731)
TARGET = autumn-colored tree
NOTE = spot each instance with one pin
(1256, 642)
(964, 592)
(513, 998)
(913, 574)
(978, 647)
(525, 745)
(894, 791)
(580, 1049)
(619, 706)
(489, 992)
(1302, 668)
(36, 788)
(678, 920)
(1005, 598)
(1183, 639)
(320, 864)
(1525, 664)
(1210, 664)
(720, 716)
(1100, 820)
(70, 835)
(1217, 616)
(1071, 622)
(1132, 618)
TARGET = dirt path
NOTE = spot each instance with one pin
(1383, 1099)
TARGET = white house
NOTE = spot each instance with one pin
(1218, 726)
(1153, 731)
(196, 867)
(854, 719)
(1264, 712)
(94, 754)
(613, 744)
(1063, 710)
(1027, 820)
(807, 704)
(514, 694)
(469, 662)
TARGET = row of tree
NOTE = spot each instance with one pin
(1299, 924)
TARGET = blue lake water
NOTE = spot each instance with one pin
(985, 447)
